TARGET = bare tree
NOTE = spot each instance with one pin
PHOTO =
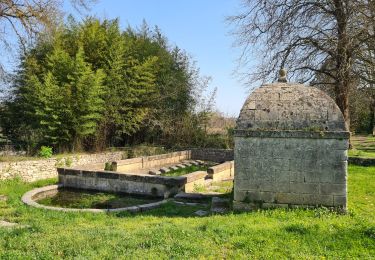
(24, 19)
(304, 36)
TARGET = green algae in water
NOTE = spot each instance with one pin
(83, 199)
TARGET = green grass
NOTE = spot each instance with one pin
(173, 232)
(220, 186)
(183, 171)
(363, 146)
(361, 153)
(68, 198)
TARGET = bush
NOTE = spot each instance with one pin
(45, 152)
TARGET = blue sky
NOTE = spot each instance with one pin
(197, 26)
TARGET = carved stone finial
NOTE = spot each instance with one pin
(282, 76)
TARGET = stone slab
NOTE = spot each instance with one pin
(201, 213)
(6, 224)
(165, 170)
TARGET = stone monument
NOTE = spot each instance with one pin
(290, 149)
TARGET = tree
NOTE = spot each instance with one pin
(89, 85)
(302, 36)
(26, 19)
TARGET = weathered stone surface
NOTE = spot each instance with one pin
(290, 149)
(191, 196)
(154, 172)
(290, 107)
(165, 170)
(212, 155)
(43, 169)
(219, 202)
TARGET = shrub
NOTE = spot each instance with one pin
(45, 152)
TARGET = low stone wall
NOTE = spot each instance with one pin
(30, 198)
(194, 179)
(44, 169)
(213, 155)
(362, 161)
(152, 161)
(152, 185)
(223, 171)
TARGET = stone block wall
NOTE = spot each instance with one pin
(213, 155)
(287, 172)
(152, 161)
(223, 171)
(152, 185)
(44, 169)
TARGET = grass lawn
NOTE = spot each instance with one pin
(364, 146)
(173, 232)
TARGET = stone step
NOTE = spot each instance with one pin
(164, 170)
(173, 168)
(195, 196)
(181, 166)
(154, 172)
(220, 205)
(195, 163)
(190, 203)
(187, 164)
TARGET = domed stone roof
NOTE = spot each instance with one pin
(288, 106)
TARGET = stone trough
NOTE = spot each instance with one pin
(30, 198)
(134, 176)
(137, 176)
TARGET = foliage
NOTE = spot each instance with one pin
(90, 85)
(45, 152)
(173, 231)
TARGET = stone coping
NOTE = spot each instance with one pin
(221, 167)
(292, 134)
(166, 180)
(28, 199)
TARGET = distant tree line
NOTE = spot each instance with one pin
(89, 85)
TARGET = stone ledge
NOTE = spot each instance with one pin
(180, 180)
(362, 161)
(291, 134)
(221, 167)
(190, 177)
(242, 206)
(28, 199)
